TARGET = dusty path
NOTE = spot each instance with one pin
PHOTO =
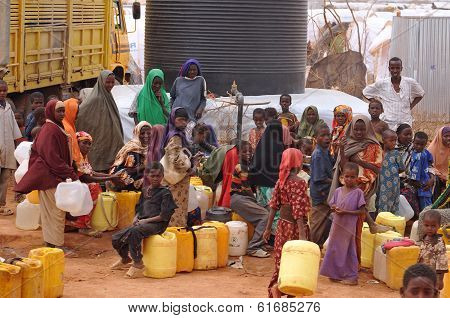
(87, 275)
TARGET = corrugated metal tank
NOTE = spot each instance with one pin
(260, 44)
(423, 44)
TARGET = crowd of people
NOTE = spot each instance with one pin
(292, 179)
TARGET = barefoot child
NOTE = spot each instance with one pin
(154, 211)
(36, 100)
(375, 110)
(389, 188)
(291, 199)
(341, 261)
(287, 118)
(342, 118)
(432, 248)
(257, 132)
(419, 281)
(9, 134)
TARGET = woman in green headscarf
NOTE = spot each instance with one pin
(152, 101)
(310, 120)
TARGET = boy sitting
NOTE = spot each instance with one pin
(153, 214)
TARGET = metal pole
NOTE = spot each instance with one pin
(240, 104)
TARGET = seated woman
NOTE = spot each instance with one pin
(131, 159)
(309, 122)
(92, 178)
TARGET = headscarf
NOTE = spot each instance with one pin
(148, 106)
(266, 160)
(134, 145)
(185, 68)
(71, 110)
(154, 148)
(337, 130)
(291, 158)
(172, 131)
(305, 128)
(81, 135)
(99, 116)
(440, 152)
(352, 147)
(50, 109)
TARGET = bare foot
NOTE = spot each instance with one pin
(121, 264)
(377, 228)
(135, 272)
(90, 232)
(275, 291)
(349, 282)
(334, 280)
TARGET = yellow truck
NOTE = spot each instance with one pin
(56, 44)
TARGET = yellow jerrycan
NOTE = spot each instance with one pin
(389, 219)
(185, 248)
(196, 181)
(206, 238)
(52, 260)
(367, 247)
(223, 237)
(126, 207)
(33, 197)
(10, 281)
(299, 268)
(398, 260)
(445, 232)
(105, 216)
(381, 238)
(250, 227)
(32, 277)
(160, 255)
(445, 292)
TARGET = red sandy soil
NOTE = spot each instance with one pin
(88, 274)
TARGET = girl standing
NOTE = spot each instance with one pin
(291, 199)
(189, 90)
(342, 117)
(440, 150)
(70, 117)
(99, 116)
(50, 164)
(347, 203)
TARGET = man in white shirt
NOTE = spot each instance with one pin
(398, 95)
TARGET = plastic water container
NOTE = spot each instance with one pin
(126, 207)
(10, 281)
(405, 209)
(223, 237)
(160, 255)
(32, 277)
(52, 260)
(445, 292)
(206, 248)
(219, 214)
(380, 265)
(389, 219)
(251, 228)
(415, 232)
(208, 192)
(21, 170)
(238, 242)
(299, 268)
(398, 260)
(105, 217)
(28, 216)
(367, 247)
(23, 151)
(74, 197)
(198, 199)
(381, 238)
(217, 193)
(185, 248)
(196, 181)
(446, 235)
(33, 197)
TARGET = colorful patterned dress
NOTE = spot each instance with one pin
(293, 194)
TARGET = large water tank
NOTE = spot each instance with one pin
(259, 43)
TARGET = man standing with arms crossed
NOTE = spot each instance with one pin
(398, 95)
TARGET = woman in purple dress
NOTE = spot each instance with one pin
(340, 263)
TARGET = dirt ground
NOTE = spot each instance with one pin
(88, 274)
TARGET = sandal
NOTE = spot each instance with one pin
(120, 265)
(135, 272)
(91, 232)
(259, 253)
(6, 212)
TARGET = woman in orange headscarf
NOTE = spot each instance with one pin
(342, 117)
(440, 149)
(70, 117)
(290, 198)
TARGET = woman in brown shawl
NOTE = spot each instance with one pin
(50, 164)
(99, 117)
(360, 146)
